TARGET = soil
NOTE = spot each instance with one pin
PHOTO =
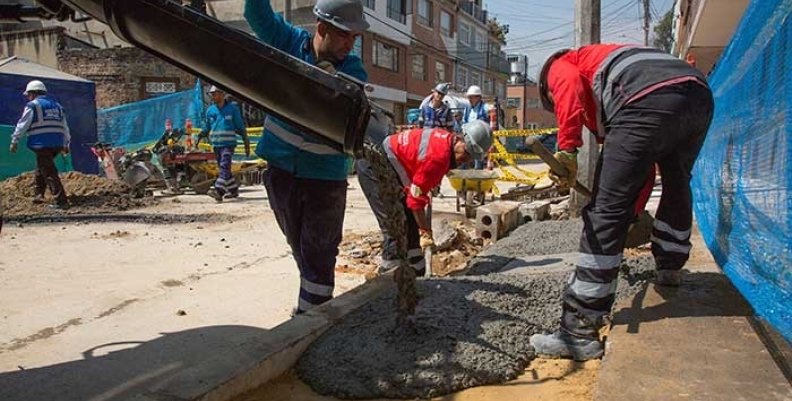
(87, 194)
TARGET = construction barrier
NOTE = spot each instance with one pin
(507, 161)
(742, 181)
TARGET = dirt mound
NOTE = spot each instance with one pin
(86, 193)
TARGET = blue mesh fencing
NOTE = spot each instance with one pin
(742, 180)
(134, 125)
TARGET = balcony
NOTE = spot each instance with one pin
(474, 11)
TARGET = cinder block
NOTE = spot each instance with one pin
(495, 220)
(535, 211)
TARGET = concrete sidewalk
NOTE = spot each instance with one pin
(694, 342)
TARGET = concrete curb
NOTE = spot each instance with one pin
(250, 364)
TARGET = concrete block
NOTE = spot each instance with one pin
(535, 211)
(497, 219)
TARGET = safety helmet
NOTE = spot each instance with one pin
(346, 15)
(544, 90)
(35, 86)
(213, 89)
(478, 138)
(474, 90)
(441, 89)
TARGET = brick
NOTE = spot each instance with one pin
(495, 220)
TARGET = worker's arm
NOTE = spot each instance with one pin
(567, 88)
(241, 130)
(428, 176)
(422, 117)
(66, 133)
(207, 126)
(270, 27)
(22, 125)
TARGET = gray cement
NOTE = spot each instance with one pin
(539, 238)
(468, 331)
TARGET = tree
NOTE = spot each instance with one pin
(663, 33)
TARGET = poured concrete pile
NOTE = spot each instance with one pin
(468, 331)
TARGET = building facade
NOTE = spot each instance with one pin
(523, 107)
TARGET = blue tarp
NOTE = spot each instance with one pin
(78, 98)
(742, 181)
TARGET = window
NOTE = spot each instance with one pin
(425, 12)
(397, 10)
(513, 103)
(369, 4)
(464, 33)
(531, 126)
(386, 56)
(475, 78)
(419, 67)
(357, 49)
(440, 72)
(446, 22)
(481, 43)
(462, 77)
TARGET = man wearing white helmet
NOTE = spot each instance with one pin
(478, 110)
(421, 158)
(44, 123)
(306, 178)
(436, 114)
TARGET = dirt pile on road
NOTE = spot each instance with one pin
(87, 194)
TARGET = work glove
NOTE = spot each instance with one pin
(568, 160)
(12, 148)
(426, 239)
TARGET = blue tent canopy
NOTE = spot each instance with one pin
(76, 95)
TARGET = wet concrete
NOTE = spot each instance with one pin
(468, 331)
(539, 238)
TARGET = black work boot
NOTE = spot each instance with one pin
(217, 196)
(564, 345)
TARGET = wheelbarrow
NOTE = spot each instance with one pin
(471, 187)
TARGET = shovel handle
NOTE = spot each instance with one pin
(540, 150)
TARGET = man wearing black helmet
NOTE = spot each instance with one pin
(646, 107)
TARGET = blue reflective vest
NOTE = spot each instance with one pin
(480, 112)
(435, 118)
(282, 145)
(48, 129)
(224, 124)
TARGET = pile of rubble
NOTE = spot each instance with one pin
(88, 194)
(456, 244)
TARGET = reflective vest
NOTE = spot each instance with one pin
(479, 112)
(224, 124)
(48, 129)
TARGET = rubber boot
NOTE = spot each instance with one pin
(564, 345)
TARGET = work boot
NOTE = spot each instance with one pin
(231, 195)
(669, 278)
(564, 345)
(38, 199)
(215, 195)
(59, 206)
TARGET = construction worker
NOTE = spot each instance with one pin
(436, 114)
(223, 123)
(478, 110)
(420, 157)
(646, 107)
(306, 178)
(44, 123)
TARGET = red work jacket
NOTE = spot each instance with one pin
(570, 81)
(421, 157)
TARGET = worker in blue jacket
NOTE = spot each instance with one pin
(223, 123)
(306, 179)
(44, 123)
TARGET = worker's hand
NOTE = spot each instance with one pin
(569, 161)
(12, 148)
(327, 66)
(426, 239)
(65, 150)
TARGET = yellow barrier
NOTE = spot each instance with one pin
(502, 158)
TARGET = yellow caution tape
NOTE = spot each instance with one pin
(503, 159)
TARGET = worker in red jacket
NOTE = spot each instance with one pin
(646, 107)
(420, 158)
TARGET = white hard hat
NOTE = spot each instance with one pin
(35, 86)
(478, 138)
(474, 90)
(213, 89)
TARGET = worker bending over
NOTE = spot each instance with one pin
(420, 158)
(306, 178)
(223, 123)
(645, 107)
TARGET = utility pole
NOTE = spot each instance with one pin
(525, 93)
(647, 19)
(587, 31)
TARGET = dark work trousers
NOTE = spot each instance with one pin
(310, 213)
(666, 127)
(225, 182)
(47, 175)
(390, 260)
